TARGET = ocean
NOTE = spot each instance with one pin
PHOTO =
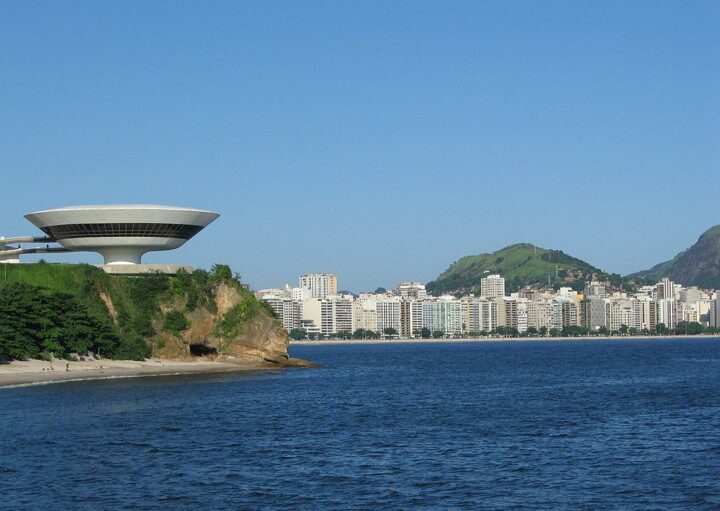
(514, 425)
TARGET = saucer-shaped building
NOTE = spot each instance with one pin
(121, 233)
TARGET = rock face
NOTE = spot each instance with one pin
(699, 265)
(259, 339)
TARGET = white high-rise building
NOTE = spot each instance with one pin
(665, 290)
(428, 312)
(488, 314)
(320, 284)
(522, 317)
(492, 286)
(388, 314)
(365, 312)
(689, 312)
(311, 315)
(411, 290)
(300, 293)
(667, 312)
(336, 314)
(622, 312)
(540, 314)
(447, 315)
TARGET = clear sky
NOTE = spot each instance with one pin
(380, 141)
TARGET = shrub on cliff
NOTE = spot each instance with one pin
(175, 322)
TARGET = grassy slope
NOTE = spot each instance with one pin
(521, 264)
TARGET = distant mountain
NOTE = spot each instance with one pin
(521, 264)
(699, 265)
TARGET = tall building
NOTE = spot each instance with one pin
(522, 317)
(411, 290)
(320, 284)
(667, 312)
(689, 312)
(714, 315)
(665, 290)
(540, 314)
(622, 313)
(492, 286)
(428, 312)
(388, 314)
(511, 313)
(645, 313)
(411, 318)
(471, 314)
(447, 315)
(595, 289)
(365, 312)
(488, 315)
(311, 315)
(691, 295)
(336, 313)
(565, 312)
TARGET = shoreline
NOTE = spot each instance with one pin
(497, 339)
(22, 373)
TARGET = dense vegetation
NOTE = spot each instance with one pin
(521, 265)
(699, 265)
(62, 309)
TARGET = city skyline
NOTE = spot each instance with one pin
(317, 309)
(379, 143)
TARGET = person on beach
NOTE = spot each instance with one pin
(67, 367)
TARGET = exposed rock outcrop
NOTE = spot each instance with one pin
(260, 338)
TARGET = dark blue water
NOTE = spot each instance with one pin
(551, 425)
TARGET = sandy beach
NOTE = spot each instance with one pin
(496, 339)
(29, 372)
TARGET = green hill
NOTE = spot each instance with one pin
(63, 309)
(699, 265)
(522, 265)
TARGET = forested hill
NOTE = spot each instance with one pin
(63, 309)
(521, 265)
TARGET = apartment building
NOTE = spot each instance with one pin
(320, 285)
(388, 314)
(492, 286)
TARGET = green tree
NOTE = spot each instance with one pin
(661, 329)
(425, 333)
(221, 273)
(390, 331)
(297, 334)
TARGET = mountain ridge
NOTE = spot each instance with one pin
(698, 265)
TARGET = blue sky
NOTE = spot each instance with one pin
(377, 140)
